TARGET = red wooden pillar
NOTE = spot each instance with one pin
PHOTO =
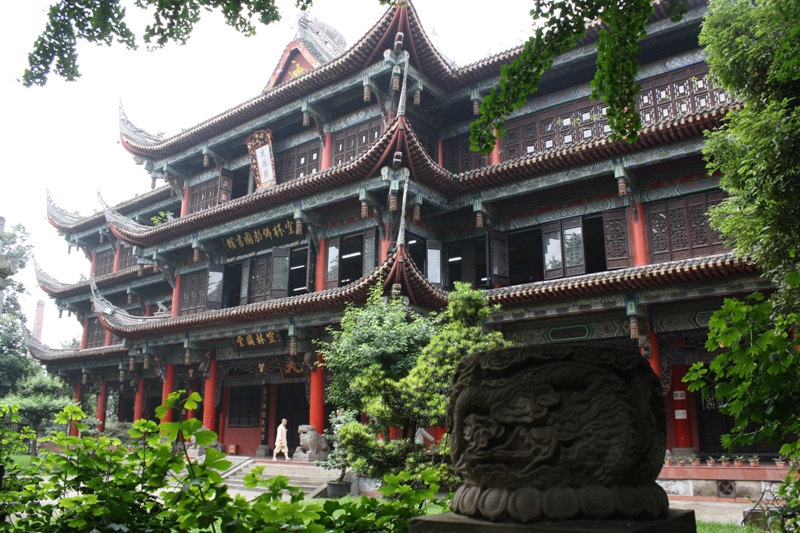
(73, 429)
(117, 251)
(108, 338)
(321, 275)
(494, 157)
(638, 235)
(101, 405)
(147, 310)
(185, 202)
(176, 295)
(191, 413)
(209, 395)
(655, 359)
(387, 240)
(327, 152)
(85, 336)
(91, 268)
(316, 415)
(166, 389)
(138, 402)
(440, 159)
(682, 424)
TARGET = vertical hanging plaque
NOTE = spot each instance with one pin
(262, 161)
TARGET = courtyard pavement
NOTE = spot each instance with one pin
(722, 512)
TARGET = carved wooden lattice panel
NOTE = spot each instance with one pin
(468, 273)
(95, 334)
(616, 239)
(311, 268)
(280, 273)
(459, 158)
(260, 278)
(244, 406)
(679, 229)
(499, 243)
(126, 258)
(298, 162)
(193, 292)
(104, 262)
(427, 135)
(204, 195)
(349, 143)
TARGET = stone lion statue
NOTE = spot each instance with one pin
(313, 446)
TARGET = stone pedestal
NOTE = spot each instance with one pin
(309, 457)
(675, 522)
(263, 451)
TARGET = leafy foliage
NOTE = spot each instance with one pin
(758, 151)
(39, 397)
(103, 22)
(338, 457)
(460, 333)
(15, 364)
(98, 484)
(376, 346)
(560, 25)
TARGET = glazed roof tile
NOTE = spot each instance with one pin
(423, 55)
(42, 352)
(713, 266)
(70, 222)
(400, 136)
(57, 289)
(415, 285)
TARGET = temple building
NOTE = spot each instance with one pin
(353, 168)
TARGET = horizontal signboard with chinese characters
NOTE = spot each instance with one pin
(262, 237)
(258, 341)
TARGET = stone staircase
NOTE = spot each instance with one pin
(305, 476)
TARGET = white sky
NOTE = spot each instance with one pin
(65, 135)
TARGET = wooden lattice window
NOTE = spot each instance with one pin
(679, 228)
(95, 334)
(260, 278)
(616, 239)
(427, 135)
(126, 258)
(459, 158)
(520, 138)
(349, 143)
(244, 406)
(193, 292)
(203, 195)
(298, 162)
(104, 262)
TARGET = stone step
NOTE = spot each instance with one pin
(305, 476)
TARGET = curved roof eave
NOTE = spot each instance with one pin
(45, 354)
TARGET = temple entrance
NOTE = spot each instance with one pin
(291, 404)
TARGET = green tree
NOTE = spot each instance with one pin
(15, 364)
(103, 22)
(14, 248)
(39, 398)
(461, 332)
(375, 346)
(560, 25)
(751, 53)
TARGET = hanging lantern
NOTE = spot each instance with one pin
(140, 270)
(196, 255)
(69, 250)
(131, 364)
(622, 186)
(206, 161)
(101, 238)
(306, 119)
(60, 313)
(393, 202)
(146, 362)
(417, 97)
(476, 107)
(293, 346)
(85, 378)
(187, 358)
(634, 327)
(156, 266)
(364, 209)
(130, 298)
(417, 213)
(478, 219)
(69, 314)
(121, 375)
(367, 93)
(298, 226)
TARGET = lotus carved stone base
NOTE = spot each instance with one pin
(557, 433)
